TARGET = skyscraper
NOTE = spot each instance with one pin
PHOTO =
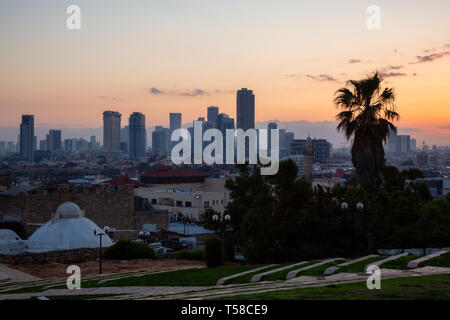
(212, 115)
(245, 109)
(175, 121)
(54, 140)
(270, 126)
(111, 131)
(137, 142)
(308, 160)
(160, 141)
(27, 137)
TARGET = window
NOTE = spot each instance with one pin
(206, 204)
(179, 203)
(188, 204)
(154, 201)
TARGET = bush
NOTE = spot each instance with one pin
(196, 254)
(214, 251)
(128, 249)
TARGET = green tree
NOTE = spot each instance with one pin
(368, 110)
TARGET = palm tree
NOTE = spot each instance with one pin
(367, 114)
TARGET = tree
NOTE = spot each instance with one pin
(367, 114)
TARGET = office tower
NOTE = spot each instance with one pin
(27, 137)
(212, 115)
(93, 143)
(137, 141)
(160, 141)
(175, 121)
(245, 109)
(413, 144)
(68, 145)
(111, 131)
(403, 144)
(43, 145)
(34, 143)
(54, 140)
(270, 127)
(2, 146)
(308, 160)
(321, 148)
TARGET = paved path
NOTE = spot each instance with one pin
(415, 263)
(257, 277)
(15, 275)
(237, 275)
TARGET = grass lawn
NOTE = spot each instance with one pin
(401, 263)
(441, 261)
(247, 277)
(186, 277)
(432, 287)
(359, 266)
(318, 271)
(281, 275)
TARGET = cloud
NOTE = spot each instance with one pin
(354, 61)
(193, 93)
(154, 90)
(431, 57)
(447, 46)
(291, 75)
(322, 77)
(393, 67)
(393, 74)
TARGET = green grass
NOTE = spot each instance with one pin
(400, 263)
(318, 271)
(247, 277)
(187, 277)
(281, 275)
(441, 261)
(434, 287)
(359, 266)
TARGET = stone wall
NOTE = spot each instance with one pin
(105, 205)
(61, 256)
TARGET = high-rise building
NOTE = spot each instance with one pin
(111, 131)
(321, 148)
(68, 145)
(245, 109)
(175, 121)
(160, 141)
(270, 126)
(54, 140)
(27, 137)
(308, 160)
(137, 141)
(212, 114)
(413, 144)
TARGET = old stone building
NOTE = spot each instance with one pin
(106, 205)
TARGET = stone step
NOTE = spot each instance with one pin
(415, 263)
(223, 280)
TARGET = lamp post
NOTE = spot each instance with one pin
(359, 207)
(145, 236)
(100, 234)
(222, 222)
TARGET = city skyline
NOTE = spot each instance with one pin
(172, 66)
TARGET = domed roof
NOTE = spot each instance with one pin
(65, 234)
(69, 210)
(8, 235)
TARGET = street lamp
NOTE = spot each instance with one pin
(106, 231)
(222, 221)
(145, 236)
(359, 207)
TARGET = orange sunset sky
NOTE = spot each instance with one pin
(158, 57)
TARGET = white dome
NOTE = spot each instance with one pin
(66, 234)
(69, 210)
(6, 234)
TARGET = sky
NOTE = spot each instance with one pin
(158, 57)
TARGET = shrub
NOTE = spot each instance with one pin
(214, 251)
(128, 249)
(196, 254)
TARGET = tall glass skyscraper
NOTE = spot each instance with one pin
(137, 140)
(111, 131)
(27, 137)
(245, 109)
